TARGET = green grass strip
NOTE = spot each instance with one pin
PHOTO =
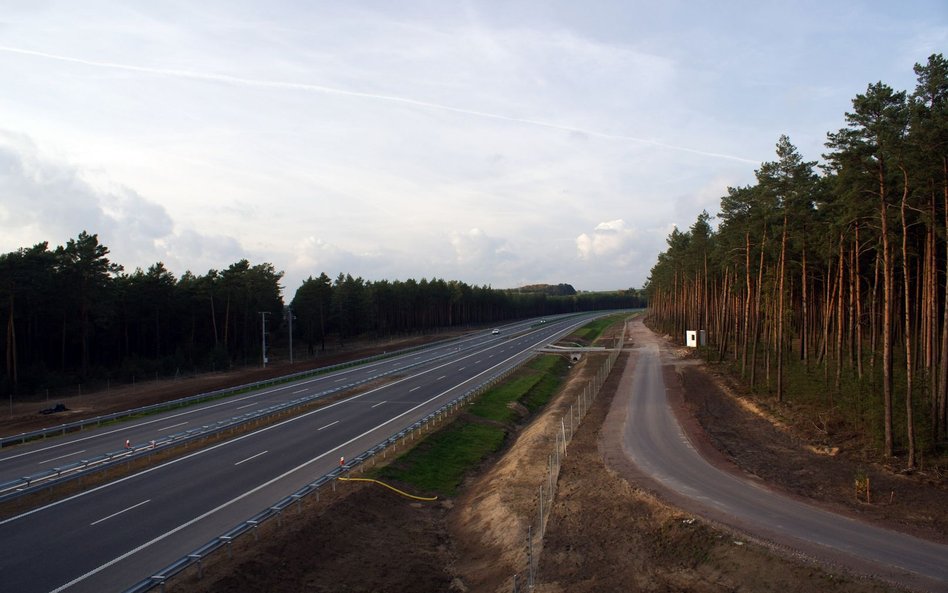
(441, 461)
(592, 330)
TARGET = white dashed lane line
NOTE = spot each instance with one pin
(134, 506)
(251, 457)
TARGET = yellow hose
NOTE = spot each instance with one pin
(405, 494)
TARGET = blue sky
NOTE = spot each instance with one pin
(501, 143)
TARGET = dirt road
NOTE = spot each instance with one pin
(655, 443)
(608, 530)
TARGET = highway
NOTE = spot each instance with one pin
(110, 537)
(37, 456)
(655, 443)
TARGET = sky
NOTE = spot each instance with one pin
(500, 142)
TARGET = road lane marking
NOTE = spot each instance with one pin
(441, 377)
(252, 457)
(247, 406)
(414, 389)
(378, 404)
(193, 410)
(61, 457)
(134, 506)
(328, 425)
(224, 505)
(225, 402)
(341, 380)
(461, 369)
(299, 391)
(172, 426)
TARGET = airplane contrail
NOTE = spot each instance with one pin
(237, 80)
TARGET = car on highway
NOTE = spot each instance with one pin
(495, 331)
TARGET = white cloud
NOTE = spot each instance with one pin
(612, 239)
(476, 250)
(48, 199)
(365, 139)
(42, 198)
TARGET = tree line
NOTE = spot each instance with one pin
(348, 306)
(73, 316)
(827, 284)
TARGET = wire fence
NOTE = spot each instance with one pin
(546, 491)
(311, 491)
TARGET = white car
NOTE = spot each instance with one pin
(495, 331)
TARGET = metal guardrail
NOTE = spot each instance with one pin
(78, 425)
(84, 467)
(276, 509)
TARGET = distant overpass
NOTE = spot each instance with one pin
(575, 351)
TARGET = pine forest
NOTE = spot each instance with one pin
(824, 286)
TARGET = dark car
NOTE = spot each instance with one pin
(57, 408)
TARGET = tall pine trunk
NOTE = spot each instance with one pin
(888, 288)
(906, 282)
(783, 257)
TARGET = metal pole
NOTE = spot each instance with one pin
(263, 336)
(290, 310)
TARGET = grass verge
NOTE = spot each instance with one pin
(590, 332)
(439, 463)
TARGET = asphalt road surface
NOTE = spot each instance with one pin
(39, 456)
(656, 444)
(109, 538)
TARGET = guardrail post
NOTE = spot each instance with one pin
(161, 582)
(230, 552)
(197, 557)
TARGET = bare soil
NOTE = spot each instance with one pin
(607, 532)
(804, 463)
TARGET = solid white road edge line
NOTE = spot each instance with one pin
(245, 494)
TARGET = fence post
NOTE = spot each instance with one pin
(550, 477)
(540, 526)
(563, 428)
(529, 557)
